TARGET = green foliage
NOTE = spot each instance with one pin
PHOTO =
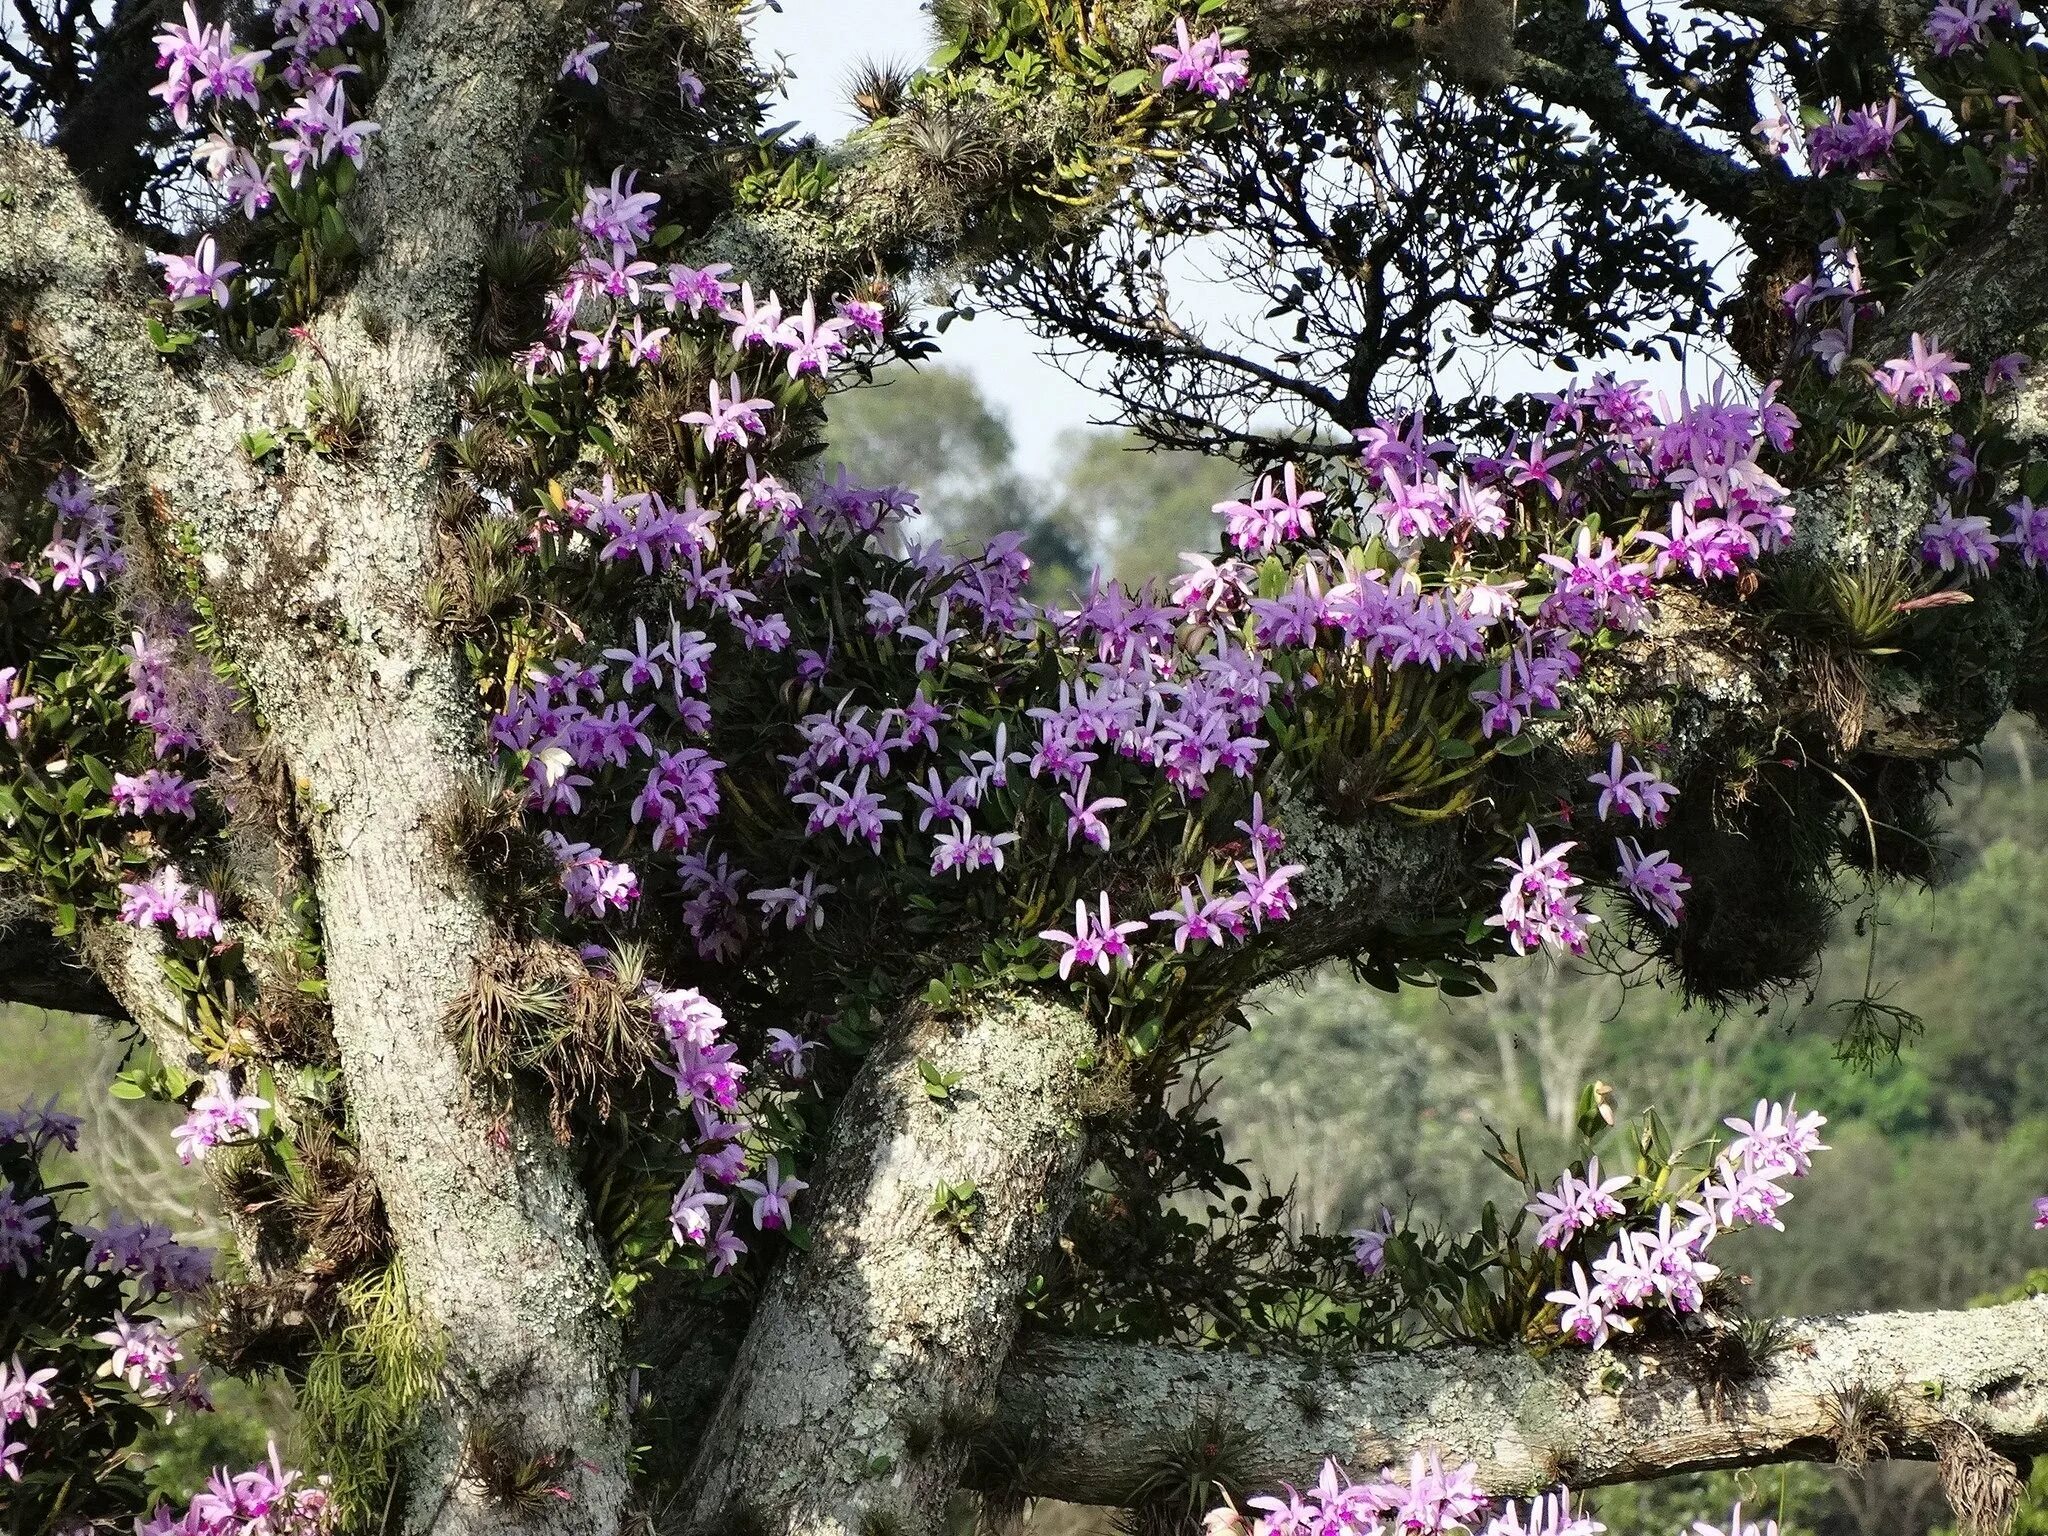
(1191, 1469)
(56, 1303)
(938, 1085)
(58, 834)
(362, 1393)
(957, 1207)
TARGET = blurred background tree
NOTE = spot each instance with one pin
(1109, 502)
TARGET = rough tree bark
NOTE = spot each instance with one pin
(1094, 1415)
(318, 587)
(875, 1353)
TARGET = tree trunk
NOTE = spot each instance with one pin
(316, 580)
(874, 1355)
(488, 1218)
(321, 608)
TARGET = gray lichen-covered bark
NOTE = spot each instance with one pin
(484, 1206)
(1094, 1415)
(875, 1352)
(369, 703)
(317, 586)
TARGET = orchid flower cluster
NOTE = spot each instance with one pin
(947, 724)
(1925, 379)
(1724, 512)
(83, 551)
(708, 1082)
(82, 555)
(1430, 1501)
(600, 316)
(88, 1364)
(1643, 1233)
(267, 1500)
(1856, 140)
(1954, 28)
(173, 702)
(582, 62)
(1204, 65)
(171, 699)
(218, 1115)
(16, 702)
(1541, 907)
(192, 911)
(1977, 45)
(943, 731)
(1861, 141)
(1662, 1267)
(1838, 294)
(271, 116)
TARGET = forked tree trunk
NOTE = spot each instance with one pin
(316, 579)
(874, 1354)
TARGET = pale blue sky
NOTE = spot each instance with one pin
(823, 40)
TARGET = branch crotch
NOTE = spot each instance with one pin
(873, 1355)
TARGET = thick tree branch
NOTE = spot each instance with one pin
(1890, 19)
(870, 1349)
(1345, 36)
(318, 597)
(79, 292)
(128, 962)
(1984, 298)
(906, 196)
(1089, 1418)
(467, 80)
(1567, 62)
